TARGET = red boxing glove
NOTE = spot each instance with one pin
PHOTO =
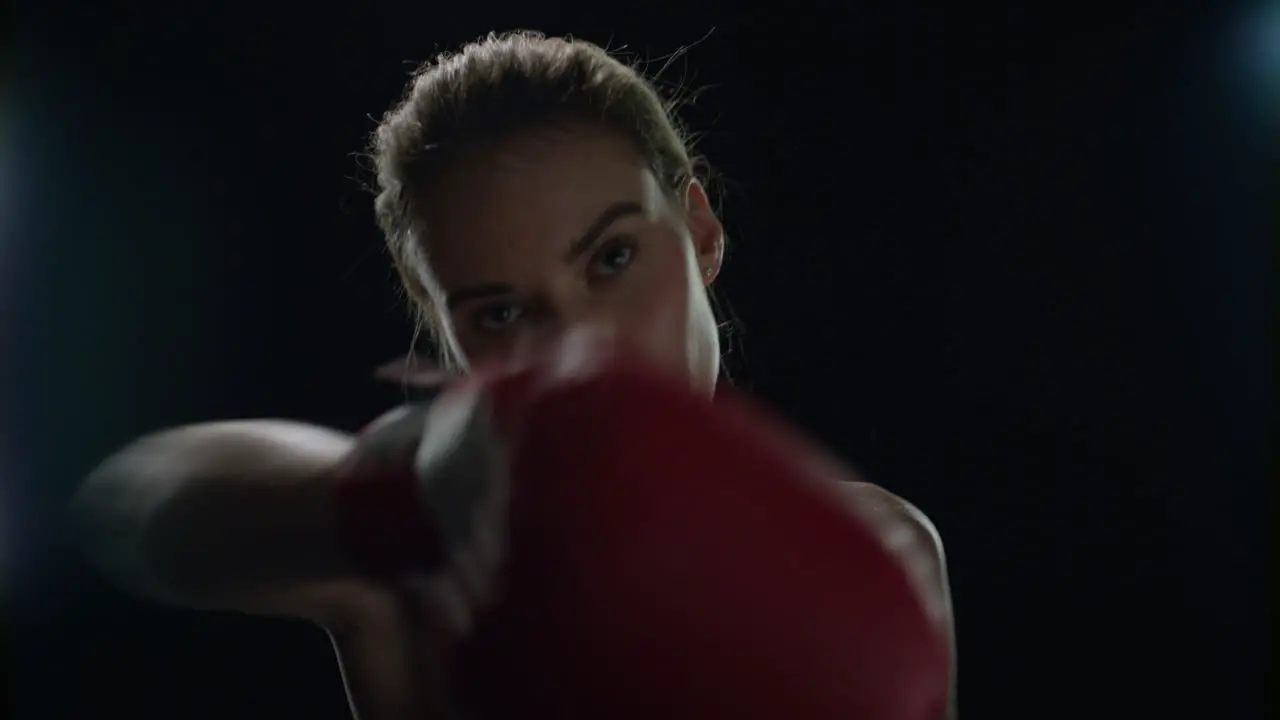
(665, 557)
(408, 499)
(672, 558)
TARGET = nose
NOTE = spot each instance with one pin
(569, 317)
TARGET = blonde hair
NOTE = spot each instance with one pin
(498, 86)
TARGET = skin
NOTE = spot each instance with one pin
(509, 272)
(567, 227)
(529, 238)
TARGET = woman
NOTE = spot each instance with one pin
(527, 186)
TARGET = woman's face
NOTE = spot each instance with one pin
(545, 232)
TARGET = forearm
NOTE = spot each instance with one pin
(389, 655)
(221, 515)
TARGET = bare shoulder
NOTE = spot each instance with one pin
(921, 551)
(885, 504)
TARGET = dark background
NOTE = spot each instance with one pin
(1007, 259)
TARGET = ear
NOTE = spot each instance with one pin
(705, 230)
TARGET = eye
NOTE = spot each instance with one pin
(613, 258)
(497, 317)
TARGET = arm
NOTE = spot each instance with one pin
(229, 516)
(922, 547)
(238, 516)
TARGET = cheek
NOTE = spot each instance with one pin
(657, 315)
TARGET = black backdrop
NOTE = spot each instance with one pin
(1003, 258)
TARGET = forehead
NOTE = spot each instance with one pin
(524, 196)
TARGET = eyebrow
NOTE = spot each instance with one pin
(585, 242)
(477, 292)
(611, 214)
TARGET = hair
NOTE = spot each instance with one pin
(499, 86)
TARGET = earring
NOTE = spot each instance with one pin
(707, 272)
